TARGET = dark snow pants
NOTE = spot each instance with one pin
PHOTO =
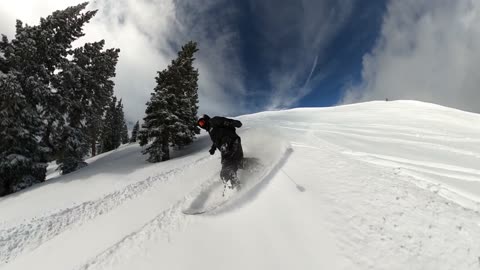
(232, 155)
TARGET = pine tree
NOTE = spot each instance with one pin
(171, 112)
(37, 52)
(186, 91)
(115, 129)
(100, 69)
(122, 123)
(109, 132)
(156, 122)
(20, 154)
(3, 61)
(30, 108)
(71, 142)
(125, 138)
(135, 131)
(85, 86)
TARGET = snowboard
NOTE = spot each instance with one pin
(213, 194)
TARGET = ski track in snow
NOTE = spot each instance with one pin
(407, 166)
(158, 229)
(423, 171)
(33, 233)
(378, 136)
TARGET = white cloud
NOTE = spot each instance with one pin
(28, 11)
(429, 51)
(221, 82)
(149, 33)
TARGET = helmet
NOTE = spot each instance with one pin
(203, 121)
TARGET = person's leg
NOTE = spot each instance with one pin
(238, 150)
(226, 173)
(231, 161)
(229, 171)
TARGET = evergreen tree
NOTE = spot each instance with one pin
(135, 132)
(157, 122)
(30, 108)
(122, 123)
(71, 143)
(100, 69)
(85, 86)
(36, 53)
(171, 112)
(110, 132)
(186, 91)
(125, 138)
(115, 129)
(20, 154)
(3, 61)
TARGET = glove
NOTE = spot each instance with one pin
(212, 151)
(237, 124)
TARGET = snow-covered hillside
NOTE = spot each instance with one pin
(377, 185)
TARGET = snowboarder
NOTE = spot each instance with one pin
(224, 138)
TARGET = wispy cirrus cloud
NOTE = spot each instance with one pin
(428, 50)
(296, 34)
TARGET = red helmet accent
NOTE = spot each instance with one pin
(202, 122)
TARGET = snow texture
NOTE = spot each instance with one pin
(377, 185)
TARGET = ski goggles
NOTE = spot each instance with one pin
(202, 122)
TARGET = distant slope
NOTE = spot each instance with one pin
(376, 185)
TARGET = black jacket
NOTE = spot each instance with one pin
(222, 131)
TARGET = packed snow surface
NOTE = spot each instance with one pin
(377, 185)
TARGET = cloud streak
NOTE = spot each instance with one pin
(296, 34)
(429, 51)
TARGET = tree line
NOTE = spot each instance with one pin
(57, 102)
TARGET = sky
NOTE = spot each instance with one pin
(258, 55)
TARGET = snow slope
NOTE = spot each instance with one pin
(377, 185)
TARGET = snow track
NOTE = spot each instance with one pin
(33, 233)
(157, 229)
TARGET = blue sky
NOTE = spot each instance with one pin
(339, 60)
(260, 55)
(343, 61)
(291, 53)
